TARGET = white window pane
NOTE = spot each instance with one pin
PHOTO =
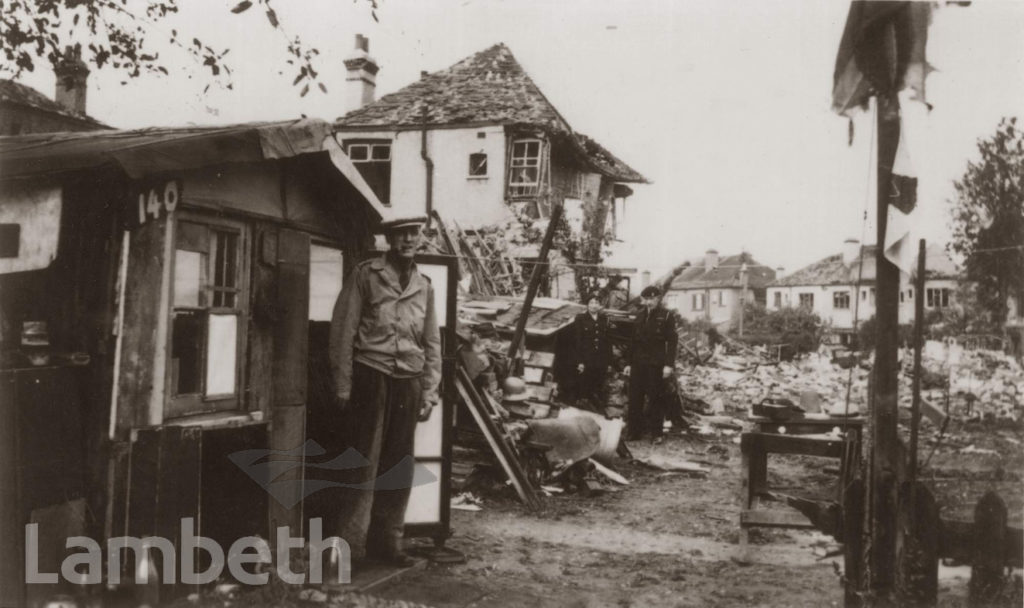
(221, 351)
(325, 280)
(438, 275)
(425, 499)
(427, 442)
(188, 267)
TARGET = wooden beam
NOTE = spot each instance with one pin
(538, 272)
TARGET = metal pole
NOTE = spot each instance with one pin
(743, 295)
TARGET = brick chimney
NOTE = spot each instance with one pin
(361, 75)
(851, 250)
(710, 259)
(72, 74)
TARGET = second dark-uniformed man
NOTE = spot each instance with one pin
(652, 357)
(386, 359)
(593, 353)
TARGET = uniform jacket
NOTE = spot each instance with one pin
(380, 325)
(593, 347)
(654, 338)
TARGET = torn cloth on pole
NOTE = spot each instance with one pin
(882, 51)
(899, 242)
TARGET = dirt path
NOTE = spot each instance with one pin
(665, 540)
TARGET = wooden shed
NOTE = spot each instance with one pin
(158, 293)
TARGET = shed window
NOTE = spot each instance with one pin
(524, 168)
(208, 318)
(478, 165)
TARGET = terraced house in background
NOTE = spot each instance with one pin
(841, 287)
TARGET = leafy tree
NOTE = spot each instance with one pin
(988, 219)
(124, 35)
(797, 327)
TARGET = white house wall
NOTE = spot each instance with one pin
(681, 300)
(471, 201)
(843, 318)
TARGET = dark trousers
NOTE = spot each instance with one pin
(381, 426)
(645, 385)
(591, 384)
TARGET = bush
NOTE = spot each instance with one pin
(800, 328)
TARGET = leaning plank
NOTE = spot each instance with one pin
(502, 450)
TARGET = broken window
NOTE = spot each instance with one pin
(373, 160)
(478, 164)
(936, 297)
(206, 325)
(807, 300)
(524, 168)
(840, 300)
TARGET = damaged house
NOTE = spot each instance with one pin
(479, 143)
(840, 288)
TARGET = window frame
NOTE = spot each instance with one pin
(777, 299)
(809, 297)
(185, 405)
(838, 298)
(371, 146)
(486, 168)
(937, 297)
(695, 299)
(520, 188)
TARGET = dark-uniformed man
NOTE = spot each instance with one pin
(593, 352)
(386, 360)
(652, 355)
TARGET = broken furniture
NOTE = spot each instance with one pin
(755, 448)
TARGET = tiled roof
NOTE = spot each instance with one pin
(725, 274)
(832, 270)
(15, 92)
(489, 87)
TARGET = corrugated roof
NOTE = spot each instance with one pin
(832, 271)
(159, 150)
(725, 274)
(489, 87)
(15, 92)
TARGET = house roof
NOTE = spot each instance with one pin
(17, 93)
(489, 87)
(832, 271)
(725, 274)
(158, 150)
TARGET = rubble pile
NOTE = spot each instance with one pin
(982, 384)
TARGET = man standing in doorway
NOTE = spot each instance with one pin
(386, 360)
(652, 356)
(593, 353)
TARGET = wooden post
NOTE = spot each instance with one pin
(885, 455)
(918, 546)
(990, 538)
(915, 408)
(538, 272)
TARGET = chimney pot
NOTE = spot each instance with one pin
(710, 259)
(361, 74)
(72, 75)
(851, 250)
(423, 74)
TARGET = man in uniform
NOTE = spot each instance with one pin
(386, 361)
(652, 356)
(593, 353)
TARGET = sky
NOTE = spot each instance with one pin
(724, 106)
